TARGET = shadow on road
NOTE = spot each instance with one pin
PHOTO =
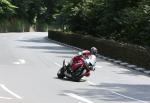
(110, 92)
(46, 45)
(49, 46)
(67, 79)
(36, 40)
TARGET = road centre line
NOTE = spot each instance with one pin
(9, 91)
(78, 97)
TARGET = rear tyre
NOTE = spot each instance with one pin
(60, 73)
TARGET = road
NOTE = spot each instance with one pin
(29, 63)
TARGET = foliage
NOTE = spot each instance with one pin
(14, 25)
(30, 10)
(122, 20)
(6, 9)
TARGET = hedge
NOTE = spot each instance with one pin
(132, 54)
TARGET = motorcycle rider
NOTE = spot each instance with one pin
(84, 57)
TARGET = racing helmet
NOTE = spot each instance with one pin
(94, 50)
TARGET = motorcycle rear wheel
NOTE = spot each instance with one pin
(60, 73)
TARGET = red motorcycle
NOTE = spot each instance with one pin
(83, 69)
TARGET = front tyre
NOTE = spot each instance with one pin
(77, 79)
(60, 73)
(78, 74)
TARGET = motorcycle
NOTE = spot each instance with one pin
(83, 70)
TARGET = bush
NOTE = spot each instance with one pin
(14, 25)
(128, 53)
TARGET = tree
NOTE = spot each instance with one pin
(7, 9)
(35, 10)
(121, 20)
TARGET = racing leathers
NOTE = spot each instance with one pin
(86, 58)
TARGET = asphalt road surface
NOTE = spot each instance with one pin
(29, 63)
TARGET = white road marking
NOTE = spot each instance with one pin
(91, 83)
(6, 98)
(58, 64)
(20, 61)
(140, 101)
(98, 66)
(16, 63)
(78, 98)
(128, 97)
(9, 91)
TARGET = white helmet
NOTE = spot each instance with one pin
(94, 50)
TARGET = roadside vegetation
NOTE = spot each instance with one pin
(126, 21)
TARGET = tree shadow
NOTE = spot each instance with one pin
(133, 72)
(127, 70)
(62, 52)
(36, 40)
(53, 48)
(115, 92)
(50, 47)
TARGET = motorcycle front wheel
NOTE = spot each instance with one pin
(77, 79)
(78, 74)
